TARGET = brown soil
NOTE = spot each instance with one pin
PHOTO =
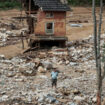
(83, 16)
(10, 13)
(13, 50)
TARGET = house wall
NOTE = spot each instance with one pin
(58, 20)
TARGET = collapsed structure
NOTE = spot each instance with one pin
(47, 22)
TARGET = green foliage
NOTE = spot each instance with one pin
(82, 2)
(9, 5)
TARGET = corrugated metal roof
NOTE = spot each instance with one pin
(51, 5)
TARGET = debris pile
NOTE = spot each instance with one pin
(10, 32)
(26, 79)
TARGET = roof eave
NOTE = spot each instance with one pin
(56, 10)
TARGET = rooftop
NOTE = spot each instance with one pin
(51, 5)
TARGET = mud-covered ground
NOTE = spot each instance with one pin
(25, 78)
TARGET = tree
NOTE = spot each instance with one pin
(83, 2)
(97, 36)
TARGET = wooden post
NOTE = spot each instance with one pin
(22, 40)
(29, 7)
(22, 13)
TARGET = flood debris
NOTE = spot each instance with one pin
(26, 78)
(10, 31)
(76, 25)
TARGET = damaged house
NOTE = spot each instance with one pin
(47, 22)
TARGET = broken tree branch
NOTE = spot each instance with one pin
(30, 49)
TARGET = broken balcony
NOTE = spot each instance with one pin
(45, 41)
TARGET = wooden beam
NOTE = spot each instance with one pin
(29, 12)
(29, 7)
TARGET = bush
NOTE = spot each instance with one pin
(9, 5)
(83, 2)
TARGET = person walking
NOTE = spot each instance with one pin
(54, 75)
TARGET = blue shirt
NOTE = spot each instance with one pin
(54, 75)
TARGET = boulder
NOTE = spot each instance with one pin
(50, 99)
(47, 65)
(28, 72)
(79, 98)
(41, 69)
(60, 62)
(41, 99)
(76, 91)
(11, 74)
(2, 57)
(4, 98)
(67, 62)
(36, 61)
(9, 33)
(94, 99)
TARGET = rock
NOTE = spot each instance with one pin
(71, 103)
(3, 92)
(4, 98)
(60, 62)
(50, 99)
(17, 60)
(67, 62)
(76, 25)
(76, 91)
(29, 65)
(36, 61)
(7, 62)
(41, 69)
(9, 33)
(79, 99)
(94, 99)
(29, 98)
(56, 102)
(42, 55)
(11, 74)
(65, 91)
(73, 63)
(19, 79)
(41, 99)
(28, 72)
(28, 69)
(43, 76)
(47, 65)
(54, 59)
(2, 57)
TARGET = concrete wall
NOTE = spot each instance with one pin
(59, 23)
